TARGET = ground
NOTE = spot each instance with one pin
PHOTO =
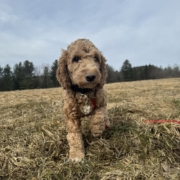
(33, 141)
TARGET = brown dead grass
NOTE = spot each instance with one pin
(33, 141)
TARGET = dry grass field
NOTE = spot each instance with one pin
(33, 141)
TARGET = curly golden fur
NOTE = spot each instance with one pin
(82, 73)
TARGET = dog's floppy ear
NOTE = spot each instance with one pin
(103, 71)
(62, 71)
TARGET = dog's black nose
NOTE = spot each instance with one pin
(90, 78)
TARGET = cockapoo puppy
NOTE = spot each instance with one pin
(82, 74)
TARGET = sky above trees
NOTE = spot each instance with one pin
(145, 32)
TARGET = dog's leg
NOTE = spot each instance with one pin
(74, 137)
(76, 152)
(99, 122)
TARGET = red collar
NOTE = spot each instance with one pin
(94, 102)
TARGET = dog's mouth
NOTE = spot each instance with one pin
(76, 88)
(86, 80)
(87, 84)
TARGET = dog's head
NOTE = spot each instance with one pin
(83, 65)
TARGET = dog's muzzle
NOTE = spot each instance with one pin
(90, 77)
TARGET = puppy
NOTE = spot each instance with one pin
(82, 74)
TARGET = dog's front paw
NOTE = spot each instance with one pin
(97, 129)
(76, 158)
(76, 152)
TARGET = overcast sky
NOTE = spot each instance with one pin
(142, 31)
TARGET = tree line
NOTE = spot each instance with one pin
(25, 75)
(129, 73)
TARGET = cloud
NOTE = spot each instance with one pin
(7, 18)
(142, 31)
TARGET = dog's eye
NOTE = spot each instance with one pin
(96, 59)
(76, 59)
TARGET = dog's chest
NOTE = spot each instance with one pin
(86, 104)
